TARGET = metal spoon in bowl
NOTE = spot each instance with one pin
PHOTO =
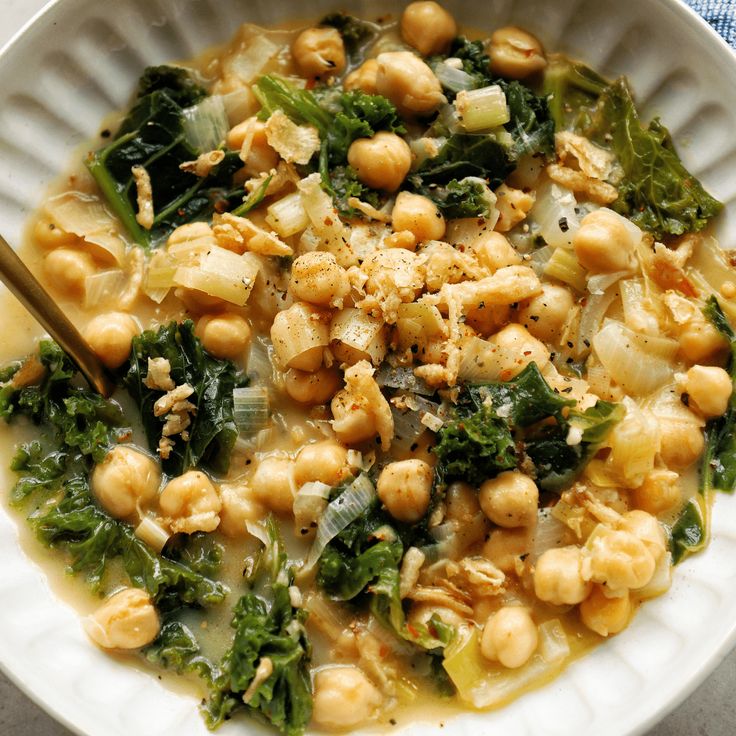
(24, 285)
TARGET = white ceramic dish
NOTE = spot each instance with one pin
(79, 60)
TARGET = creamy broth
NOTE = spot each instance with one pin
(495, 569)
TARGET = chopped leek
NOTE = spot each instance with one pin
(287, 216)
(102, 288)
(483, 684)
(563, 265)
(454, 79)
(206, 124)
(338, 515)
(482, 109)
(251, 409)
(554, 212)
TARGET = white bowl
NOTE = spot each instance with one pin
(80, 59)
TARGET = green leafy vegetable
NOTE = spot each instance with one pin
(153, 136)
(362, 563)
(718, 470)
(340, 120)
(657, 192)
(268, 639)
(689, 534)
(572, 90)
(493, 420)
(177, 648)
(462, 155)
(527, 398)
(77, 428)
(213, 432)
(557, 463)
(465, 198)
(356, 34)
(531, 125)
(475, 446)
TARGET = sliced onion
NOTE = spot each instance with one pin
(206, 124)
(539, 259)
(554, 212)
(338, 515)
(549, 533)
(638, 363)
(591, 317)
(257, 51)
(453, 78)
(103, 287)
(402, 377)
(309, 504)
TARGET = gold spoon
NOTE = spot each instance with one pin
(24, 285)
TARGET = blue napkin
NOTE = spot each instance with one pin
(721, 14)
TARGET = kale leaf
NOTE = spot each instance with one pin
(475, 446)
(531, 125)
(718, 470)
(689, 533)
(356, 34)
(526, 399)
(465, 198)
(78, 418)
(362, 563)
(340, 119)
(271, 639)
(479, 442)
(177, 648)
(153, 136)
(558, 463)
(76, 429)
(572, 91)
(657, 192)
(213, 432)
(462, 155)
(92, 539)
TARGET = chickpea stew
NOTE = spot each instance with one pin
(419, 341)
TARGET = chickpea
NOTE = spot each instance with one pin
(326, 462)
(509, 637)
(659, 492)
(191, 503)
(682, 442)
(520, 349)
(544, 315)
(363, 78)
(111, 336)
(419, 215)
(317, 278)
(710, 388)
(238, 507)
(461, 502)
(510, 499)
(505, 548)
(405, 488)
(68, 269)
(49, 235)
(647, 529)
(515, 54)
(381, 162)
(428, 27)
(605, 615)
(344, 697)
(488, 319)
(125, 480)
(312, 388)
(701, 342)
(513, 206)
(603, 243)
(126, 620)
(261, 157)
(319, 52)
(408, 82)
(558, 576)
(620, 560)
(226, 335)
(494, 251)
(354, 422)
(273, 483)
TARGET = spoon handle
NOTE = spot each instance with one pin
(24, 285)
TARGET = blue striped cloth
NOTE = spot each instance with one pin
(721, 14)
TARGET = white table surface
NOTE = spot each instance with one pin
(710, 710)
